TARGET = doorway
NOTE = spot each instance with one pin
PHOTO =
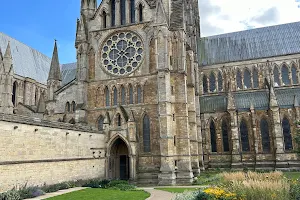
(119, 161)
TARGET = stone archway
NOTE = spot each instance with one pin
(118, 161)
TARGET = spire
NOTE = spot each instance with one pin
(8, 52)
(54, 73)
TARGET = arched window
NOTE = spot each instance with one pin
(285, 75)
(212, 82)
(294, 75)
(104, 15)
(123, 11)
(276, 77)
(100, 123)
(68, 109)
(139, 94)
(15, 93)
(265, 137)
(213, 139)
(113, 12)
(239, 80)
(132, 11)
(107, 97)
(119, 120)
(220, 82)
(247, 79)
(115, 96)
(146, 133)
(130, 94)
(140, 13)
(255, 78)
(225, 136)
(205, 86)
(73, 106)
(244, 136)
(123, 95)
(288, 144)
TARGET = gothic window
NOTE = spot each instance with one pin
(119, 120)
(113, 12)
(115, 96)
(123, 11)
(265, 137)
(15, 93)
(104, 15)
(244, 136)
(239, 80)
(146, 133)
(288, 144)
(68, 109)
(140, 13)
(132, 11)
(285, 75)
(294, 75)
(205, 86)
(107, 97)
(123, 95)
(255, 78)
(73, 106)
(212, 82)
(247, 79)
(213, 139)
(139, 94)
(130, 94)
(220, 82)
(225, 136)
(276, 77)
(100, 123)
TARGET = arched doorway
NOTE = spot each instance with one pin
(119, 160)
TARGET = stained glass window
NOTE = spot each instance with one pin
(212, 82)
(247, 79)
(205, 86)
(123, 11)
(132, 11)
(288, 144)
(113, 12)
(123, 95)
(213, 139)
(146, 134)
(244, 136)
(285, 75)
(225, 136)
(255, 78)
(220, 82)
(239, 80)
(115, 96)
(276, 77)
(130, 94)
(294, 75)
(265, 137)
(107, 97)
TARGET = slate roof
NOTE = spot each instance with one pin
(264, 42)
(286, 96)
(27, 62)
(68, 72)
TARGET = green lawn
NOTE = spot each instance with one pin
(292, 175)
(177, 190)
(102, 194)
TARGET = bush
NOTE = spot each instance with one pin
(189, 195)
(30, 192)
(93, 183)
(295, 189)
(124, 187)
(104, 183)
(10, 195)
(117, 182)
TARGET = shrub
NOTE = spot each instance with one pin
(124, 187)
(104, 183)
(10, 195)
(94, 183)
(50, 188)
(295, 189)
(117, 182)
(30, 192)
(190, 195)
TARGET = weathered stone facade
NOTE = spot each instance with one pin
(161, 102)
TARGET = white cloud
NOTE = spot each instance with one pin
(222, 16)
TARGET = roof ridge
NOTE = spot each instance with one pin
(252, 29)
(24, 44)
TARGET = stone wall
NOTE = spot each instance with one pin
(34, 153)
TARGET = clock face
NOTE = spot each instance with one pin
(122, 53)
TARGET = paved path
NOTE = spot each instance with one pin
(159, 194)
(53, 194)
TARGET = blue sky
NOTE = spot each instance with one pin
(38, 22)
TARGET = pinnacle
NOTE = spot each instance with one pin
(54, 73)
(8, 51)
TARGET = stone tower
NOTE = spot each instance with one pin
(54, 80)
(6, 81)
(137, 78)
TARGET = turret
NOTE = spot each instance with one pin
(88, 8)
(54, 78)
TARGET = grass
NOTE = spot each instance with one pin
(102, 194)
(292, 175)
(177, 190)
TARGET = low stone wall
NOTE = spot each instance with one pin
(34, 154)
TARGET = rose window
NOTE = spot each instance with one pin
(122, 53)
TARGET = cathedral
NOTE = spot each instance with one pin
(165, 102)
